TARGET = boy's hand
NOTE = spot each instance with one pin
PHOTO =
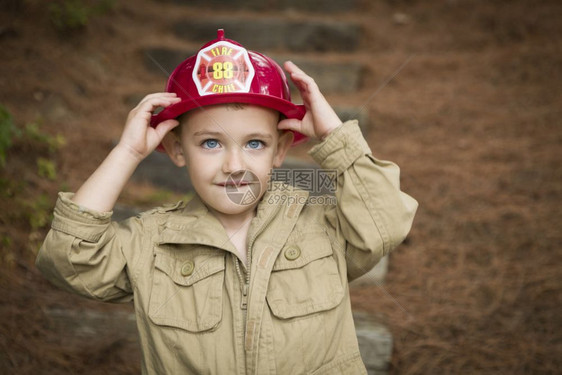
(320, 118)
(138, 137)
(101, 190)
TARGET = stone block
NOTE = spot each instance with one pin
(159, 170)
(375, 343)
(316, 6)
(276, 33)
(162, 60)
(88, 324)
(331, 77)
(122, 212)
(375, 276)
(354, 113)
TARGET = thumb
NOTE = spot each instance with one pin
(162, 129)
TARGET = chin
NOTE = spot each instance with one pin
(226, 206)
(234, 209)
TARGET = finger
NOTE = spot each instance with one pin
(291, 67)
(162, 96)
(304, 83)
(159, 94)
(290, 124)
(149, 105)
(297, 73)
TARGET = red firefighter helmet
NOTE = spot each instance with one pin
(225, 72)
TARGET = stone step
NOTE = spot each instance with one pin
(272, 33)
(158, 170)
(375, 343)
(82, 329)
(122, 212)
(96, 333)
(90, 323)
(376, 276)
(163, 60)
(316, 6)
(331, 77)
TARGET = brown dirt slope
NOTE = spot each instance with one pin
(472, 118)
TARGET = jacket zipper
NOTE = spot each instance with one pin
(243, 285)
(246, 283)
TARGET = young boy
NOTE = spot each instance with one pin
(223, 284)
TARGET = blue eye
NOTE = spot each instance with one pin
(254, 144)
(210, 143)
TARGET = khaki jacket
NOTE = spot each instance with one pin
(199, 311)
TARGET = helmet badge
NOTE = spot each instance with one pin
(222, 68)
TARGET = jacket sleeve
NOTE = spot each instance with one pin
(83, 252)
(371, 214)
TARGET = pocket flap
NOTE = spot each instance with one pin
(187, 288)
(187, 269)
(309, 249)
(306, 278)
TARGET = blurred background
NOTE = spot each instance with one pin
(463, 95)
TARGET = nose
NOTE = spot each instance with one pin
(234, 161)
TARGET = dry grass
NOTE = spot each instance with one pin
(473, 120)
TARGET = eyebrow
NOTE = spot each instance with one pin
(260, 135)
(216, 134)
(207, 133)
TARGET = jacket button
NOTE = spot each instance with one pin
(292, 253)
(187, 268)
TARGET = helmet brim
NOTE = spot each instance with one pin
(288, 109)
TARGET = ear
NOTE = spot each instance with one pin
(283, 145)
(172, 145)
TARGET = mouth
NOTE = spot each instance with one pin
(242, 187)
(243, 181)
(233, 183)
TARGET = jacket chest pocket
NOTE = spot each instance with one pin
(187, 288)
(305, 278)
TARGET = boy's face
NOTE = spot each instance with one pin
(229, 151)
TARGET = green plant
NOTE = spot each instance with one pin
(7, 133)
(69, 15)
(46, 168)
(39, 212)
(34, 133)
(75, 14)
(7, 258)
(8, 188)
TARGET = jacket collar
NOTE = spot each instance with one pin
(195, 224)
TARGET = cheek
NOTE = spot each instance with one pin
(194, 157)
(263, 168)
(186, 155)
